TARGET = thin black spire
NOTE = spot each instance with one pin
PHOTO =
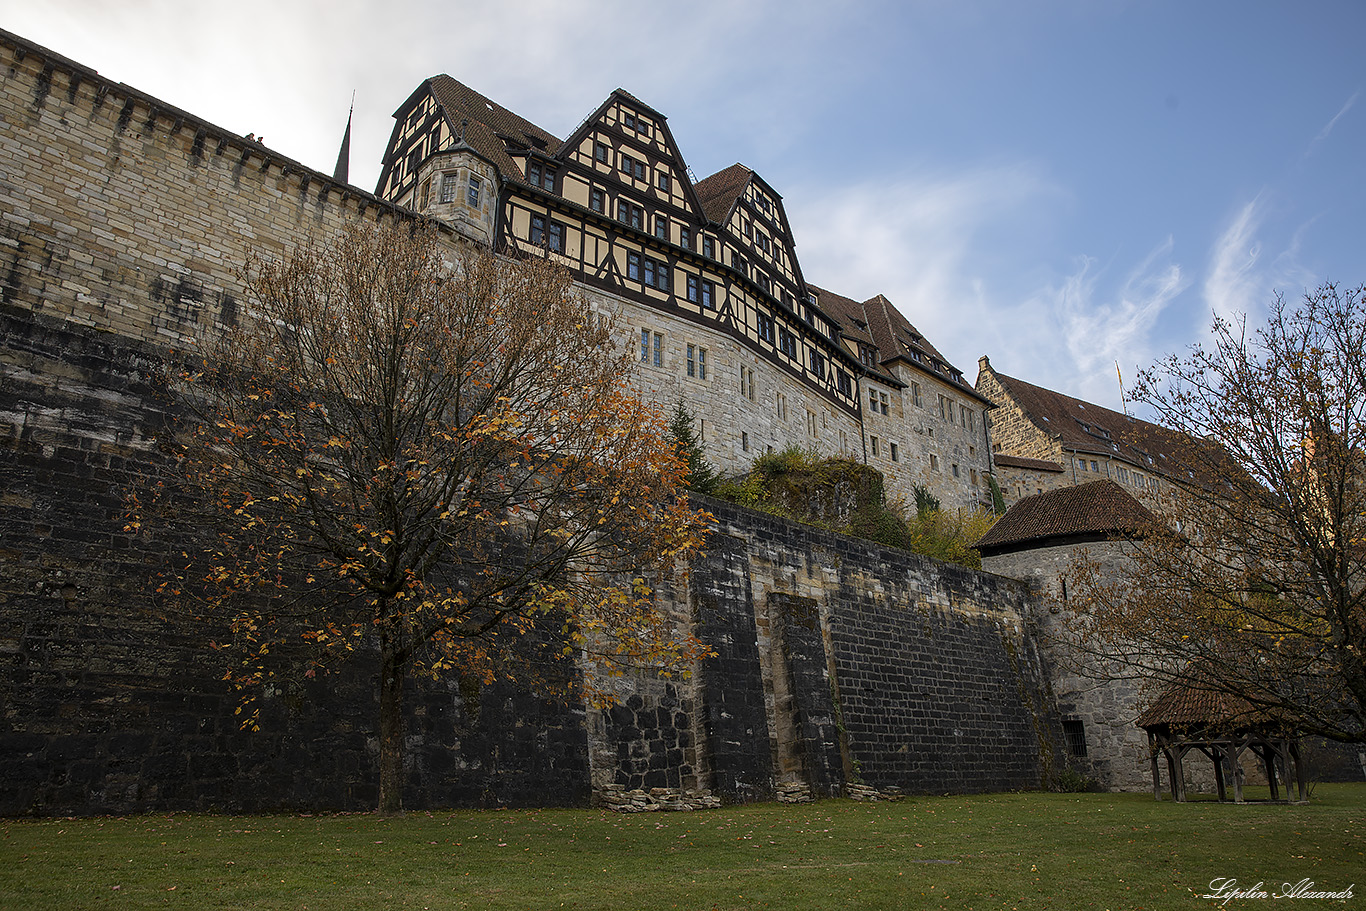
(342, 171)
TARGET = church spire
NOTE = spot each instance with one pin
(341, 171)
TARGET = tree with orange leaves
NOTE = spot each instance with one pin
(428, 450)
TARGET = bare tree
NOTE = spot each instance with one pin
(430, 455)
(1253, 575)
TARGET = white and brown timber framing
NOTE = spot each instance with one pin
(616, 204)
(620, 195)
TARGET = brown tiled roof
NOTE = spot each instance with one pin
(1187, 704)
(492, 128)
(1010, 461)
(1089, 428)
(1100, 508)
(718, 192)
(878, 321)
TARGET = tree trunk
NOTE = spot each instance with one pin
(390, 727)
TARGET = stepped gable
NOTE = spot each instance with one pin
(719, 192)
(492, 129)
(1010, 461)
(1094, 511)
(1084, 427)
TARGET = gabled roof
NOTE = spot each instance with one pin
(661, 122)
(877, 321)
(1085, 427)
(1095, 511)
(719, 192)
(492, 129)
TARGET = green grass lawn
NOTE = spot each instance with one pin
(984, 851)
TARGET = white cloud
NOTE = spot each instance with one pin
(1328, 128)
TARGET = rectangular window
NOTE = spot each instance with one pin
(846, 386)
(659, 350)
(811, 423)
(472, 191)
(766, 328)
(744, 441)
(662, 181)
(661, 227)
(597, 200)
(882, 400)
(644, 346)
(637, 217)
(873, 441)
(934, 462)
(747, 383)
(872, 400)
(450, 185)
(915, 395)
(628, 120)
(627, 164)
(633, 266)
(685, 238)
(896, 454)
(638, 170)
(601, 152)
(1075, 732)
(694, 288)
(649, 272)
(1095, 467)
(708, 294)
(708, 248)
(556, 237)
(955, 469)
(537, 230)
(780, 406)
(692, 360)
(787, 343)
(701, 363)
(972, 476)
(945, 409)
(818, 365)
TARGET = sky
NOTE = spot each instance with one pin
(1068, 187)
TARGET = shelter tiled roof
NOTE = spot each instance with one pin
(492, 128)
(1100, 508)
(1195, 701)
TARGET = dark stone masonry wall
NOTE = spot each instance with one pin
(939, 686)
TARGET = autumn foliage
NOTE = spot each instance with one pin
(1254, 573)
(423, 453)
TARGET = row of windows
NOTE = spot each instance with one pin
(652, 273)
(450, 189)
(1132, 478)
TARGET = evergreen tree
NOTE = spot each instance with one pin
(701, 476)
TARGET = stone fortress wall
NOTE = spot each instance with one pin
(123, 224)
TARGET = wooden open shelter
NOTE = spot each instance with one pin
(1196, 716)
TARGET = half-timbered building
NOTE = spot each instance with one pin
(704, 276)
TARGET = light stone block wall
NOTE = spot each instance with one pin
(724, 417)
